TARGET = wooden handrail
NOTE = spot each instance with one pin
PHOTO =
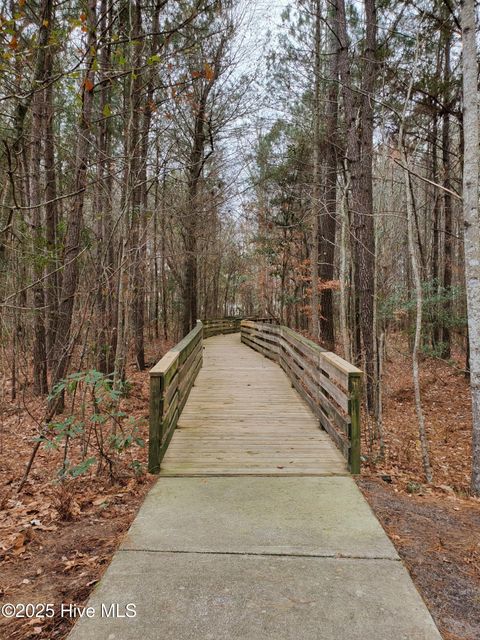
(220, 326)
(330, 385)
(171, 380)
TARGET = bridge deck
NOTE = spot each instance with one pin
(244, 418)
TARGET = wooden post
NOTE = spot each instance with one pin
(156, 424)
(354, 389)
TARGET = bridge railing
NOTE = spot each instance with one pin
(220, 326)
(171, 380)
(227, 325)
(330, 385)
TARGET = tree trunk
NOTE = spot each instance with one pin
(417, 280)
(436, 335)
(122, 322)
(135, 191)
(163, 264)
(316, 178)
(196, 162)
(328, 220)
(471, 222)
(343, 276)
(63, 346)
(412, 250)
(447, 205)
(40, 385)
(103, 197)
(365, 237)
(359, 156)
(53, 281)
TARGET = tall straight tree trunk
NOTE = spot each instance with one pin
(359, 158)
(436, 215)
(141, 253)
(53, 281)
(413, 252)
(42, 129)
(196, 162)
(136, 192)
(470, 219)
(103, 197)
(63, 344)
(447, 202)
(190, 285)
(365, 240)
(351, 152)
(40, 384)
(328, 221)
(316, 178)
(190, 310)
(139, 328)
(155, 279)
(163, 264)
(343, 276)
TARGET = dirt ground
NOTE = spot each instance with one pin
(44, 557)
(436, 528)
(63, 561)
(438, 539)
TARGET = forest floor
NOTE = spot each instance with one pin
(56, 541)
(435, 528)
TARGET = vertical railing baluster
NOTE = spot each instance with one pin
(354, 390)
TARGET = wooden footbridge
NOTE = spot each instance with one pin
(218, 407)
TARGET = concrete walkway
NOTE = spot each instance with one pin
(264, 537)
(254, 559)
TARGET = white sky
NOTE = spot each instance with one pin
(257, 34)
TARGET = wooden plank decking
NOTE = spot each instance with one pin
(244, 418)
